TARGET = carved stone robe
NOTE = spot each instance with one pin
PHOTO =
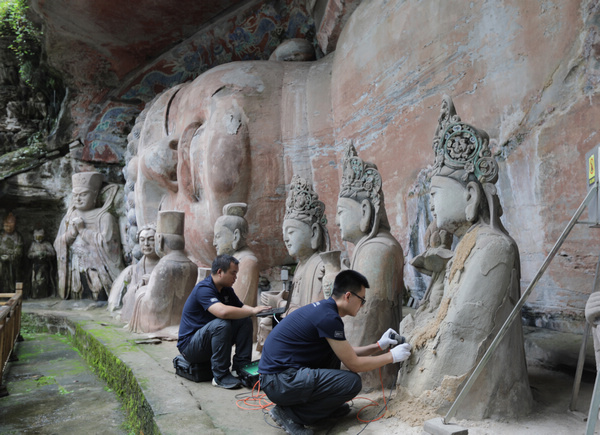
(381, 261)
(306, 288)
(95, 254)
(42, 256)
(481, 287)
(160, 303)
(11, 252)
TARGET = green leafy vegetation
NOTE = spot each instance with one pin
(24, 35)
(46, 380)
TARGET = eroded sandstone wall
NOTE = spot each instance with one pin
(526, 72)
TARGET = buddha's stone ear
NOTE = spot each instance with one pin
(237, 237)
(315, 238)
(365, 220)
(473, 200)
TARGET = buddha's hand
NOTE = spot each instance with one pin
(592, 308)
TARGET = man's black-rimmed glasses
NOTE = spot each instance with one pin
(362, 300)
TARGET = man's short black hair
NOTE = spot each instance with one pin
(349, 281)
(222, 262)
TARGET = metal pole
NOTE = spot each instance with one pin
(517, 309)
(594, 406)
(579, 371)
(581, 359)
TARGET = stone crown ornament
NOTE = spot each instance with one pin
(359, 177)
(461, 149)
(303, 203)
(89, 180)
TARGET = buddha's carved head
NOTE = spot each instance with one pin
(305, 224)
(10, 223)
(86, 186)
(209, 143)
(360, 207)
(231, 229)
(463, 187)
(146, 238)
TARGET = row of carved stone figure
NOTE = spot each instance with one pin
(472, 290)
(41, 255)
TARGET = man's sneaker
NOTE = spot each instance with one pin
(282, 418)
(228, 381)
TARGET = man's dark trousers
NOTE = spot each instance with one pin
(311, 394)
(213, 343)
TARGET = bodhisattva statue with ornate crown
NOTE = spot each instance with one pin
(481, 287)
(305, 235)
(11, 252)
(88, 244)
(363, 222)
(159, 304)
(136, 275)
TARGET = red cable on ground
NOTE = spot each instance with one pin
(254, 402)
(373, 403)
(259, 401)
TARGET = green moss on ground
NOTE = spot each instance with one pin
(88, 343)
(118, 377)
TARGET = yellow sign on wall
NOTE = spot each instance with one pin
(592, 169)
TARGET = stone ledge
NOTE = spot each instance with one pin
(155, 399)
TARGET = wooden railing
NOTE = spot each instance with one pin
(10, 327)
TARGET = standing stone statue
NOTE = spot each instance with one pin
(159, 303)
(480, 288)
(363, 222)
(231, 231)
(42, 257)
(133, 277)
(88, 244)
(11, 252)
(305, 236)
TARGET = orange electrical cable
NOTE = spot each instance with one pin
(254, 402)
(259, 401)
(373, 403)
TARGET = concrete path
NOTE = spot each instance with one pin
(139, 370)
(53, 391)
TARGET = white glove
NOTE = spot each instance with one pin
(385, 341)
(400, 353)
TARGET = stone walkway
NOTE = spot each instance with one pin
(53, 391)
(140, 370)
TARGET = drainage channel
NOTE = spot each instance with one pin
(53, 390)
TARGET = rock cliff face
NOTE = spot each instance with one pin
(527, 72)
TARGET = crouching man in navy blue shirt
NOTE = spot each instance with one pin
(213, 320)
(299, 367)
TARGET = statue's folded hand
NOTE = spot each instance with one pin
(592, 308)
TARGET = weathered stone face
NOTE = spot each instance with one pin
(223, 239)
(297, 236)
(448, 203)
(220, 131)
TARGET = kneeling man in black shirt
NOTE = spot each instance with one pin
(299, 367)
